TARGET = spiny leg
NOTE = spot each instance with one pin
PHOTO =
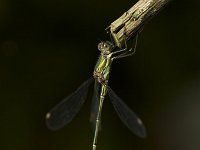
(130, 52)
(112, 40)
(102, 96)
(121, 50)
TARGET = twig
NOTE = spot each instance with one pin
(134, 19)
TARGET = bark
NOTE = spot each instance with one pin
(132, 21)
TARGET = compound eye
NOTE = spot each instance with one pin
(102, 46)
(105, 45)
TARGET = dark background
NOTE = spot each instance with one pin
(48, 48)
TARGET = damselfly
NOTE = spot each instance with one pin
(65, 111)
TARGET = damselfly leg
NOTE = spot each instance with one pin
(125, 51)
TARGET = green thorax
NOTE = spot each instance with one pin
(102, 68)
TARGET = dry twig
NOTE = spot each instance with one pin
(134, 19)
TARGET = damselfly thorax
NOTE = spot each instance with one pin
(102, 68)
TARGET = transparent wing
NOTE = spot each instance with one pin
(65, 111)
(95, 105)
(127, 116)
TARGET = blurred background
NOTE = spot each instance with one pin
(48, 48)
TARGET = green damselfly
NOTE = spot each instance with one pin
(64, 112)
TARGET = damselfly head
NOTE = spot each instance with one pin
(105, 47)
